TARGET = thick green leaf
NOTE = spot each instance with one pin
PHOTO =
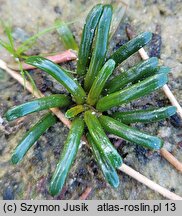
(66, 35)
(100, 47)
(88, 33)
(100, 138)
(131, 47)
(74, 111)
(162, 70)
(32, 136)
(136, 91)
(145, 116)
(107, 168)
(60, 75)
(130, 134)
(133, 74)
(100, 81)
(67, 156)
(44, 103)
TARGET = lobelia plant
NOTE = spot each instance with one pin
(95, 95)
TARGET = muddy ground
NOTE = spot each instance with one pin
(30, 179)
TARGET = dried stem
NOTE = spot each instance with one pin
(139, 177)
(85, 194)
(164, 153)
(67, 55)
(124, 168)
(172, 160)
(172, 99)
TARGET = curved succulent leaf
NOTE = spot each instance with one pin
(100, 47)
(141, 70)
(44, 103)
(130, 134)
(60, 75)
(67, 156)
(145, 116)
(90, 26)
(32, 136)
(107, 168)
(74, 111)
(100, 138)
(100, 81)
(131, 47)
(131, 93)
(162, 70)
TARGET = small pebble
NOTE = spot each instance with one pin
(8, 193)
(57, 9)
(176, 121)
(20, 35)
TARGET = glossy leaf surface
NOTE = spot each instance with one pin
(74, 111)
(100, 47)
(131, 47)
(143, 69)
(60, 75)
(101, 140)
(43, 103)
(32, 136)
(162, 70)
(88, 33)
(100, 81)
(103, 161)
(130, 134)
(67, 157)
(145, 116)
(134, 92)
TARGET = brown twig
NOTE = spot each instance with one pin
(85, 194)
(172, 160)
(67, 55)
(152, 185)
(124, 168)
(167, 155)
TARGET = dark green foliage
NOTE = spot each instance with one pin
(131, 47)
(132, 93)
(100, 81)
(144, 78)
(32, 136)
(100, 47)
(60, 75)
(37, 105)
(107, 168)
(149, 115)
(67, 156)
(90, 26)
(101, 140)
(130, 134)
(141, 70)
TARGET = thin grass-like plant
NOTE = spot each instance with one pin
(92, 96)
(66, 35)
(18, 52)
